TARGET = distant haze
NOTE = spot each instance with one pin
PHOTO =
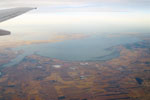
(56, 17)
(39, 24)
(105, 23)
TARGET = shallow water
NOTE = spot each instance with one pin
(86, 49)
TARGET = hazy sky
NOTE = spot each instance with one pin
(66, 16)
(82, 5)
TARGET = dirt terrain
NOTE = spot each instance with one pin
(126, 77)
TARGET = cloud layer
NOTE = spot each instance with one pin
(82, 5)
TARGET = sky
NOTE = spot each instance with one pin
(82, 5)
(77, 16)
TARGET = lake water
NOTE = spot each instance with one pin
(86, 49)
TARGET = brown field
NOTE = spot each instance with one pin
(40, 78)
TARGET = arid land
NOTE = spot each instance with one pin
(126, 77)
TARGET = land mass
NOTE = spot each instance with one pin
(126, 77)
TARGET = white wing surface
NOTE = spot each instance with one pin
(11, 13)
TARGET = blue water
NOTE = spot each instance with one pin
(90, 48)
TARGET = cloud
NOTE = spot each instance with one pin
(81, 5)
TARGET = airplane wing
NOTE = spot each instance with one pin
(11, 13)
(4, 32)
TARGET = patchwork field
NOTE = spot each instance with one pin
(126, 77)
